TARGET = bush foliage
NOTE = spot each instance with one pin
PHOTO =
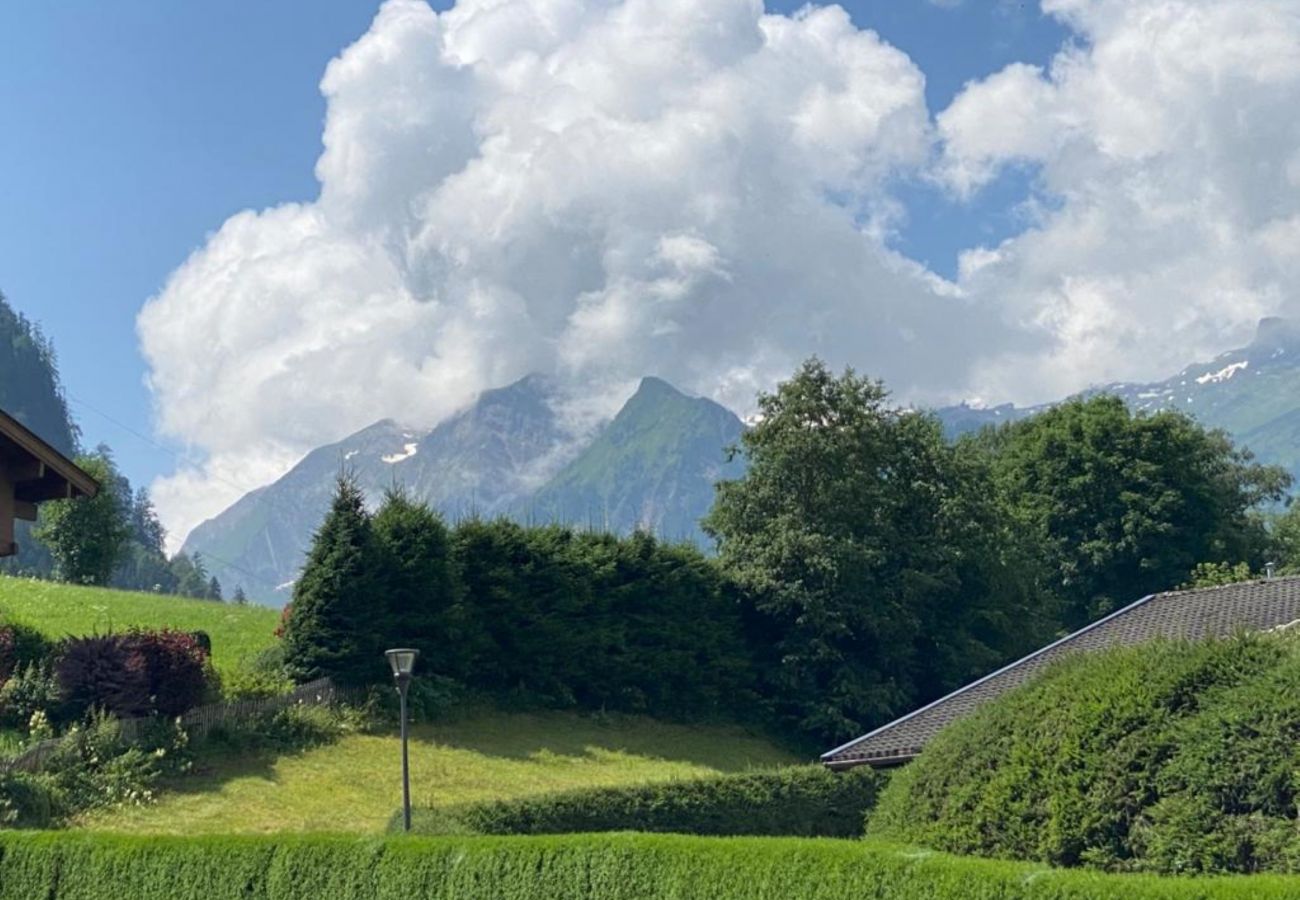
(583, 867)
(136, 673)
(1169, 758)
(20, 646)
(803, 801)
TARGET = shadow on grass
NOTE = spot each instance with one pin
(525, 736)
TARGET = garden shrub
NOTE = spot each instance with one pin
(176, 667)
(101, 672)
(1170, 757)
(26, 801)
(31, 690)
(94, 766)
(802, 801)
(84, 866)
(261, 677)
(20, 647)
(133, 674)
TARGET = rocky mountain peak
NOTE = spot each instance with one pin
(1276, 333)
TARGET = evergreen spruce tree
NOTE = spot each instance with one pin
(332, 630)
(240, 598)
(419, 585)
(214, 589)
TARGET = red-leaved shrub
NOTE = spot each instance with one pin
(133, 674)
(175, 667)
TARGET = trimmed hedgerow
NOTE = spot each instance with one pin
(797, 801)
(1172, 758)
(581, 867)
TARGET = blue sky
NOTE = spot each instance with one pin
(133, 129)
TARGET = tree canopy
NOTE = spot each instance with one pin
(869, 554)
(1118, 504)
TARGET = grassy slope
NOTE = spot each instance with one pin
(353, 785)
(59, 610)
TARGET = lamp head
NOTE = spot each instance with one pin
(402, 661)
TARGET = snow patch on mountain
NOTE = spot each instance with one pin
(1223, 374)
(408, 450)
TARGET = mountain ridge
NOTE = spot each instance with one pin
(509, 453)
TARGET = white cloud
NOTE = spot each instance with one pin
(596, 189)
(604, 189)
(1167, 138)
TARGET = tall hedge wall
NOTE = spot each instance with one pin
(583, 867)
(794, 801)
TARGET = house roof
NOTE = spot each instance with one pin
(1191, 614)
(46, 474)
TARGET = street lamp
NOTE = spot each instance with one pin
(403, 662)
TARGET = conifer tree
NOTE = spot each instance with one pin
(419, 585)
(214, 589)
(331, 630)
(240, 598)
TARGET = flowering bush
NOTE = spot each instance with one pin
(31, 690)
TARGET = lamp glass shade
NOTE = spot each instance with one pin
(402, 661)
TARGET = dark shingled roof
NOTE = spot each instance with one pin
(1207, 612)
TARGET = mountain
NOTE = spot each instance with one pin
(481, 460)
(653, 467)
(29, 381)
(31, 392)
(1253, 394)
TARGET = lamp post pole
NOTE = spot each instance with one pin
(403, 662)
(406, 762)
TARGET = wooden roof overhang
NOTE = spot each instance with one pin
(31, 472)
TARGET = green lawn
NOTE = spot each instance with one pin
(354, 785)
(59, 610)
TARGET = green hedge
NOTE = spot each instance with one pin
(796, 801)
(1172, 758)
(584, 867)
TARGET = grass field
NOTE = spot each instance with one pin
(354, 784)
(59, 610)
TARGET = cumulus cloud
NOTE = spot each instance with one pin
(603, 189)
(592, 189)
(1164, 143)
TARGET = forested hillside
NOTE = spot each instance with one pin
(121, 523)
(29, 380)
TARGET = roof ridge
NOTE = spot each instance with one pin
(1182, 592)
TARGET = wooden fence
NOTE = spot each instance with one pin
(201, 720)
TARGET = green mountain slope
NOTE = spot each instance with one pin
(653, 467)
(1252, 393)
